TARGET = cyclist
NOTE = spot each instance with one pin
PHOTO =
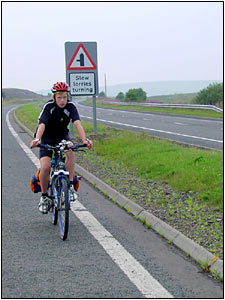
(51, 129)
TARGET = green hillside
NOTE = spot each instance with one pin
(12, 94)
(175, 98)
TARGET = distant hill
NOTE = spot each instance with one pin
(44, 92)
(20, 94)
(160, 87)
(175, 98)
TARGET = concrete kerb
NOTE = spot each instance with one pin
(195, 251)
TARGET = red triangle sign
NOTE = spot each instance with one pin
(81, 60)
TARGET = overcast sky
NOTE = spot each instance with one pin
(136, 41)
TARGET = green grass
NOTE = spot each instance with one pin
(182, 168)
(188, 112)
(175, 98)
(28, 114)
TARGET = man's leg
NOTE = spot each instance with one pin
(44, 174)
(70, 163)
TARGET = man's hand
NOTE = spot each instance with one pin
(35, 143)
(88, 143)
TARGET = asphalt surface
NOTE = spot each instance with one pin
(36, 263)
(201, 132)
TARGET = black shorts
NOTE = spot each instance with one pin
(51, 141)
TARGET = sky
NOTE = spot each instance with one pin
(136, 41)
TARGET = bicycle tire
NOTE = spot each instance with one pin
(63, 208)
(53, 209)
(54, 215)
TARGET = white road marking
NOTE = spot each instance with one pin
(137, 274)
(149, 114)
(156, 130)
(148, 286)
(26, 149)
(180, 123)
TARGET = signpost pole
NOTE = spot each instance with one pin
(94, 115)
(71, 124)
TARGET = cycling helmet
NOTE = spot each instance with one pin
(60, 87)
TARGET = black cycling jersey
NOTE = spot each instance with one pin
(57, 119)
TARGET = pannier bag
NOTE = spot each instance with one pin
(76, 182)
(35, 182)
(36, 186)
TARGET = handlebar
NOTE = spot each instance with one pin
(63, 146)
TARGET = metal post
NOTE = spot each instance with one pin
(94, 115)
(105, 87)
(71, 124)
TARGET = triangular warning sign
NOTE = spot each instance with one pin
(81, 60)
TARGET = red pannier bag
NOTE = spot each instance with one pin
(35, 182)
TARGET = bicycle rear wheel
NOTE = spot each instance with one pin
(63, 208)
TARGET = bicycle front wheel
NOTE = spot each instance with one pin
(63, 209)
(54, 215)
(53, 208)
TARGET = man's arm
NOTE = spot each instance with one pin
(40, 131)
(81, 133)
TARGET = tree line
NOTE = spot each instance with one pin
(211, 95)
(133, 95)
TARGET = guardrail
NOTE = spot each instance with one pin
(193, 106)
(190, 106)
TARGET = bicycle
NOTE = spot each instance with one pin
(59, 185)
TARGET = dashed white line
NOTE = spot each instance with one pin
(156, 130)
(147, 114)
(137, 274)
(180, 123)
(144, 119)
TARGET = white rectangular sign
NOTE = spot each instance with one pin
(82, 84)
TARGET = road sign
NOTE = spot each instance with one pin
(81, 68)
(81, 60)
(82, 84)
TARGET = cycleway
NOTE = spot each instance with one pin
(37, 264)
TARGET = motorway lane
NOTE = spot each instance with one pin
(36, 263)
(194, 131)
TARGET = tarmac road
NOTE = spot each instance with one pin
(36, 263)
(201, 132)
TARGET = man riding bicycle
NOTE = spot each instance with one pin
(52, 127)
